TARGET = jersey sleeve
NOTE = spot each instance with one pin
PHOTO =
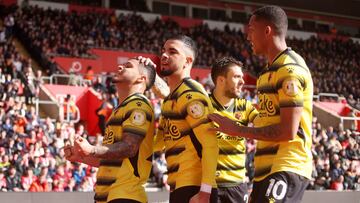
(250, 112)
(290, 86)
(137, 118)
(159, 143)
(195, 107)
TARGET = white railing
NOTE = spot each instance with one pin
(72, 79)
(333, 95)
(338, 98)
(60, 106)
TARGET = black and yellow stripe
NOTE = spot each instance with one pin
(293, 155)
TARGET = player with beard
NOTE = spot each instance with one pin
(227, 76)
(124, 158)
(191, 150)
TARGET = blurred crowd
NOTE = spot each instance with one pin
(334, 64)
(31, 149)
(336, 155)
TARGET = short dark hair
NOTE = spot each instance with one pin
(275, 15)
(221, 67)
(188, 41)
(150, 73)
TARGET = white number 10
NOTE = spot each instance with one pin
(277, 192)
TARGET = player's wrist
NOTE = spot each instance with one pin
(206, 188)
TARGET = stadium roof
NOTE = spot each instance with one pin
(348, 8)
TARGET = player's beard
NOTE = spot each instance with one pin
(165, 73)
(115, 79)
(231, 94)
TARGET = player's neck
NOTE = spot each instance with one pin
(221, 98)
(175, 80)
(275, 48)
(125, 92)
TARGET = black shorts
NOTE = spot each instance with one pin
(184, 194)
(123, 201)
(236, 194)
(284, 187)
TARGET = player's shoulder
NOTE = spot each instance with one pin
(193, 85)
(292, 63)
(137, 101)
(190, 90)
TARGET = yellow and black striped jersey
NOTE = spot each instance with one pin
(231, 161)
(125, 178)
(191, 150)
(285, 83)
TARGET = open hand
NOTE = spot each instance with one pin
(146, 61)
(226, 125)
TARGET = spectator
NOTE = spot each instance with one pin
(338, 184)
(89, 74)
(3, 183)
(13, 180)
(103, 112)
(40, 184)
(9, 24)
(2, 36)
(160, 169)
(79, 173)
(27, 179)
(69, 108)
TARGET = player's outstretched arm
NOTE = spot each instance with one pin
(127, 147)
(284, 131)
(73, 156)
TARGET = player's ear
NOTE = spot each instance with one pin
(189, 60)
(220, 79)
(141, 78)
(268, 30)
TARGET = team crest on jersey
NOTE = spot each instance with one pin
(138, 104)
(290, 87)
(138, 118)
(196, 109)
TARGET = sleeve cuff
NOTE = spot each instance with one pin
(205, 188)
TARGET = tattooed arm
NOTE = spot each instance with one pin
(127, 147)
(283, 131)
(73, 156)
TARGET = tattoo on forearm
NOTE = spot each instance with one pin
(126, 148)
(263, 133)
